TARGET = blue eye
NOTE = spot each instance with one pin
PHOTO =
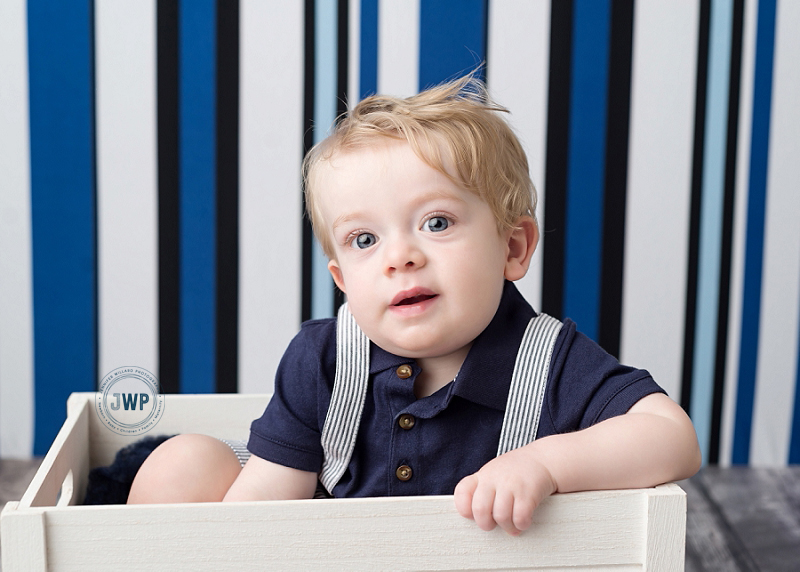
(437, 224)
(363, 240)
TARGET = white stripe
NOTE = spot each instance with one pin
(127, 181)
(398, 47)
(270, 202)
(659, 188)
(780, 303)
(739, 230)
(354, 53)
(16, 304)
(518, 71)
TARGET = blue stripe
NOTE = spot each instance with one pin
(368, 58)
(754, 240)
(197, 97)
(325, 74)
(452, 39)
(794, 445)
(713, 193)
(62, 208)
(586, 170)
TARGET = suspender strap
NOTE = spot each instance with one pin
(347, 400)
(528, 382)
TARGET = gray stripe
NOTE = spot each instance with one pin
(239, 447)
(347, 400)
(528, 383)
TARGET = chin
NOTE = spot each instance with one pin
(420, 350)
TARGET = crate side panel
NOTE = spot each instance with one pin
(596, 529)
(227, 416)
(69, 452)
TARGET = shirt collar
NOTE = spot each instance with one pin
(485, 376)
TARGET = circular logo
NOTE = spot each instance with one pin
(128, 401)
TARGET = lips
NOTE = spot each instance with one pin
(413, 296)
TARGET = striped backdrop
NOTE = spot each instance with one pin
(151, 206)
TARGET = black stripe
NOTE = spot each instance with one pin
(557, 157)
(616, 176)
(697, 188)
(308, 142)
(727, 231)
(342, 55)
(227, 156)
(168, 198)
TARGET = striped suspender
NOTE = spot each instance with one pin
(526, 394)
(347, 400)
(523, 408)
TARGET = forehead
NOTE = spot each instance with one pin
(385, 161)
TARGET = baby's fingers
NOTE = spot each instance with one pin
(463, 495)
(483, 508)
(523, 512)
(475, 501)
(503, 512)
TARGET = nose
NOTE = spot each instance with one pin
(403, 255)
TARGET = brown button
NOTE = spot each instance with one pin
(404, 371)
(406, 421)
(403, 472)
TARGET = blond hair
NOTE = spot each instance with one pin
(457, 119)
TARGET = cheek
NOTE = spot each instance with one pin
(482, 258)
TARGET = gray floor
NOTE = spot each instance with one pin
(739, 519)
(743, 519)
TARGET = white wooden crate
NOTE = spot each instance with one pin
(609, 530)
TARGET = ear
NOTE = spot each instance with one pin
(522, 241)
(336, 273)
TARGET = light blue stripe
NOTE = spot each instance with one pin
(711, 205)
(325, 72)
(197, 84)
(62, 208)
(586, 170)
(754, 240)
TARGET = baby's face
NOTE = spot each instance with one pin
(420, 259)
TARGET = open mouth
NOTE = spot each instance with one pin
(415, 299)
(413, 296)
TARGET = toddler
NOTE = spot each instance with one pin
(436, 377)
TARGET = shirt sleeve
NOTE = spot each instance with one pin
(586, 385)
(288, 433)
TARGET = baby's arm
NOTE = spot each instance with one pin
(264, 480)
(653, 443)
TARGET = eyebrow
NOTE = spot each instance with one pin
(429, 196)
(344, 219)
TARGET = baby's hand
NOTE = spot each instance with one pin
(505, 491)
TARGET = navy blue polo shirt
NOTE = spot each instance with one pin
(445, 436)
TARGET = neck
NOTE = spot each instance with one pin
(438, 372)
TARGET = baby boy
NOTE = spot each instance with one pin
(437, 377)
